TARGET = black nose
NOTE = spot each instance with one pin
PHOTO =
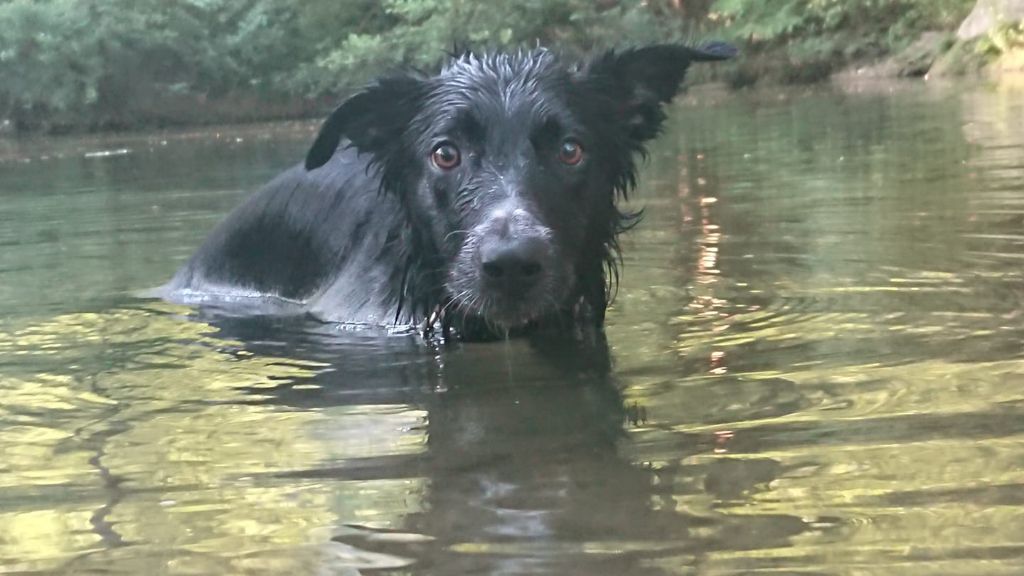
(514, 262)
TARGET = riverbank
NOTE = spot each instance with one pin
(942, 55)
(983, 41)
(100, 69)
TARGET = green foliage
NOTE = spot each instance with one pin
(418, 33)
(1004, 39)
(773, 20)
(41, 63)
(91, 61)
(834, 31)
(88, 63)
(114, 62)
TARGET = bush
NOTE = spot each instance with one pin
(98, 63)
(419, 33)
(87, 62)
(95, 63)
(1004, 39)
(823, 34)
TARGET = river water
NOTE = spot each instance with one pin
(815, 365)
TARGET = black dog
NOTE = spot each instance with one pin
(482, 198)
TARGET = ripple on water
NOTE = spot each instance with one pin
(817, 366)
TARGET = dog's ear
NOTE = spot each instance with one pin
(640, 80)
(370, 119)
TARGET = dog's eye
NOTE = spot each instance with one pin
(570, 152)
(445, 156)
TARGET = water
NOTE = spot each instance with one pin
(815, 366)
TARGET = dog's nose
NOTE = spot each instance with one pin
(517, 262)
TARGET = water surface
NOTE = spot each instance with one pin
(815, 365)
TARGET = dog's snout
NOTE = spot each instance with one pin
(514, 262)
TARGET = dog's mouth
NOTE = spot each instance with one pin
(503, 306)
(499, 311)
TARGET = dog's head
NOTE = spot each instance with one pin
(509, 167)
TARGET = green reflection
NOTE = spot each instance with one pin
(148, 428)
(832, 319)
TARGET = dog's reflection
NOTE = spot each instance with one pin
(527, 466)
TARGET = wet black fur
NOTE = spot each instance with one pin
(369, 232)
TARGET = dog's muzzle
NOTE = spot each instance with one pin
(508, 269)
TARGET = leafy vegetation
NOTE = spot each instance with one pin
(116, 63)
(98, 61)
(419, 32)
(813, 37)
(95, 63)
(1004, 39)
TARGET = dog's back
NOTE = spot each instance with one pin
(323, 241)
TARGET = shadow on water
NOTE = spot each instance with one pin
(520, 468)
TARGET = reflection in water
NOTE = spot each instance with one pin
(219, 452)
(814, 365)
(136, 447)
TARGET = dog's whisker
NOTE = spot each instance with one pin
(453, 233)
(453, 302)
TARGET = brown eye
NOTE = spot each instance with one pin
(445, 156)
(570, 152)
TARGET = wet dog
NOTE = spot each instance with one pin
(482, 198)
